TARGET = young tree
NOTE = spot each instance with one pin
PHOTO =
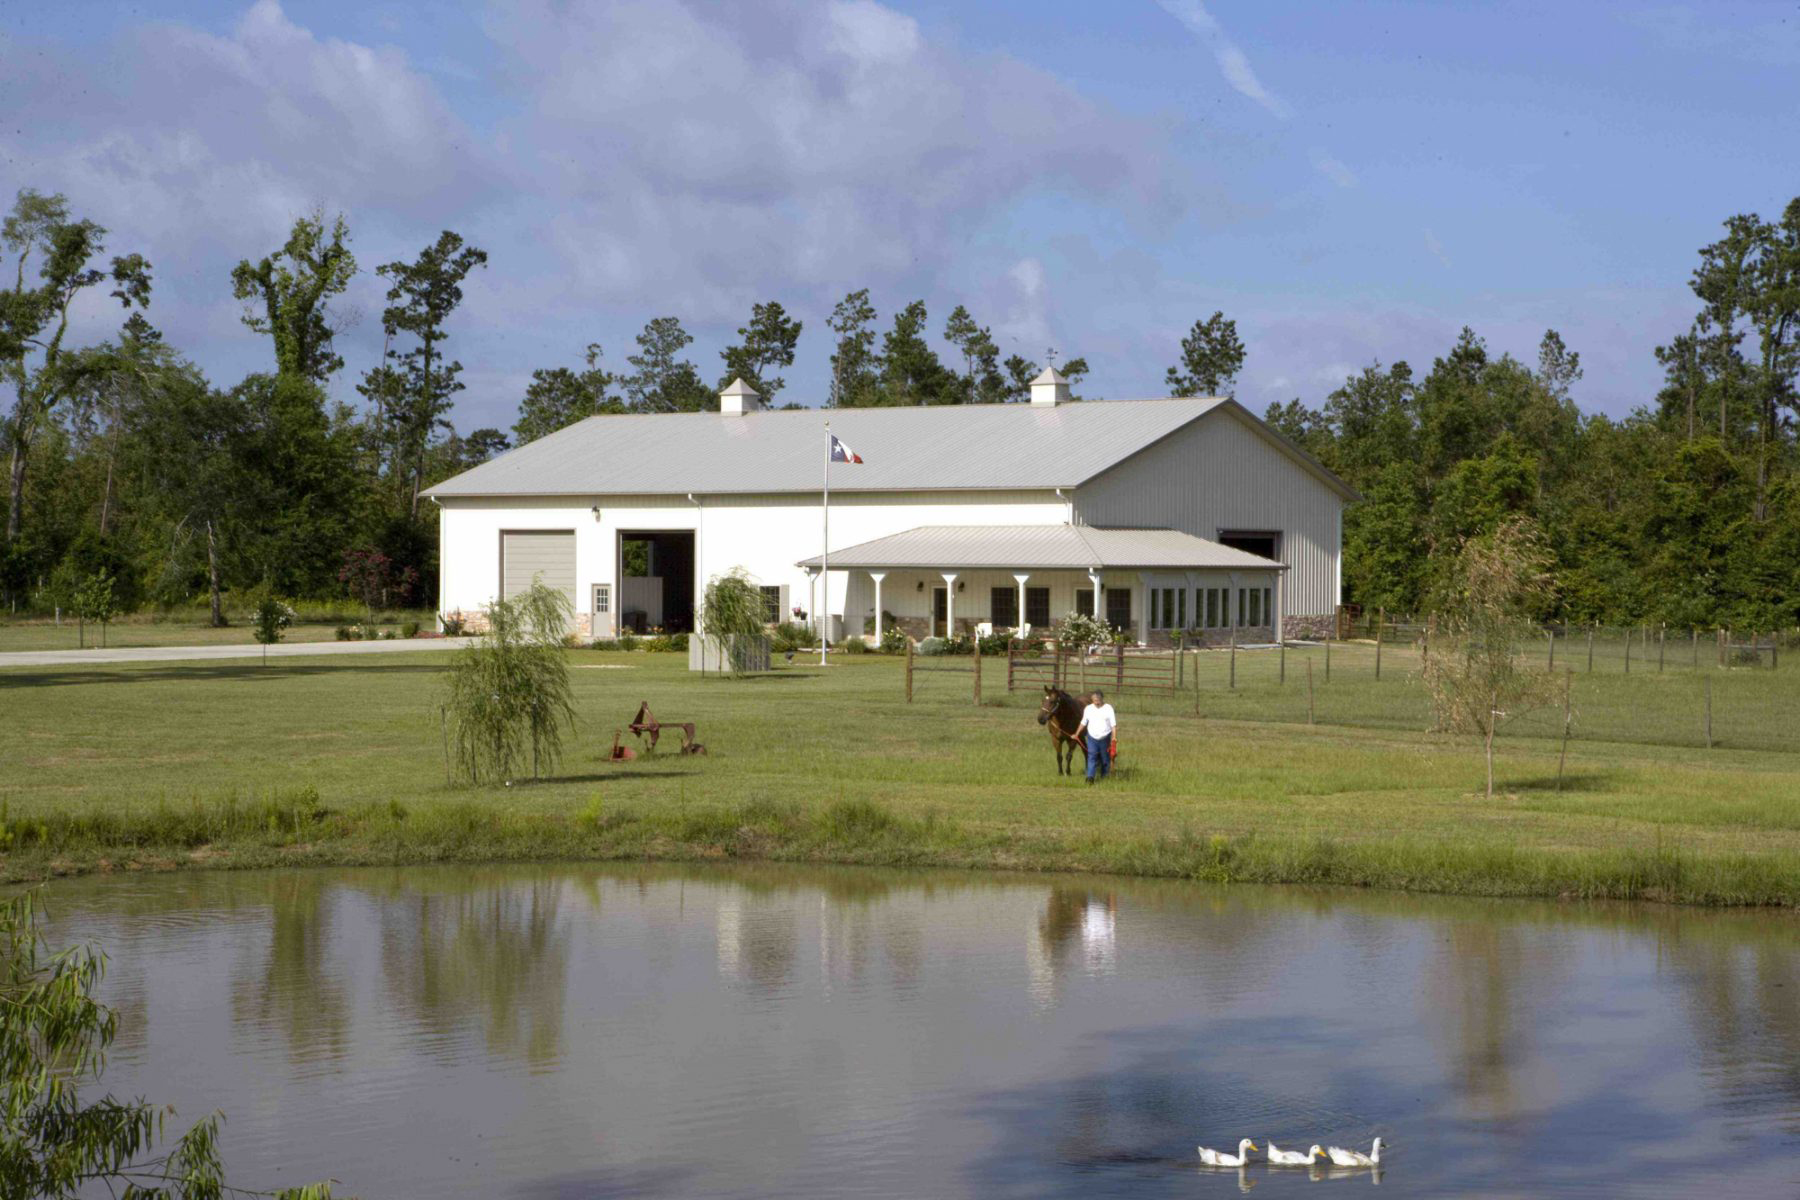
(764, 346)
(508, 692)
(414, 390)
(54, 1036)
(661, 380)
(96, 601)
(558, 397)
(34, 319)
(1476, 667)
(855, 367)
(1211, 357)
(270, 620)
(732, 616)
(287, 295)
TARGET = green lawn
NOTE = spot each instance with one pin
(44, 633)
(328, 760)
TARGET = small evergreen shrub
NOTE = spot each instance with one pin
(855, 646)
(932, 647)
(410, 629)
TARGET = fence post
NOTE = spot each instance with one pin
(1309, 692)
(1724, 644)
(1282, 653)
(1196, 684)
(977, 659)
(1628, 649)
(1662, 638)
(1231, 680)
(1551, 634)
(1709, 712)
(1380, 620)
(1591, 629)
(909, 669)
(1119, 656)
(1774, 648)
(1563, 757)
(1009, 666)
(1695, 637)
(1327, 660)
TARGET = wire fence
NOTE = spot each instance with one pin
(1621, 685)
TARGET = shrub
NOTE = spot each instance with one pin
(410, 629)
(855, 646)
(960, 643)
(660, 644)
(731, 616)
(894, 640)
(994, 643)
(454, 623)
(1078, 630)
(343, 633)
(931, 647)
(790, 635)
(678, 641)
(627, 640)
(603, 644)
(887, 623)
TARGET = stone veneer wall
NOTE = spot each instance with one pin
(477, 622)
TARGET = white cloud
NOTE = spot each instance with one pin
(1436, 247)
(1333, 169)
(1233, 63)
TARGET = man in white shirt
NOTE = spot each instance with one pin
(1098, 721)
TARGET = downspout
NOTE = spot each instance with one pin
(698, 641)
(1070, 519)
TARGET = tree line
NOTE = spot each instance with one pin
(1684, 511)
(126, 461)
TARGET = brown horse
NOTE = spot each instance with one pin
(1061, 715)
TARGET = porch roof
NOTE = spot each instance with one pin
(1042, 547)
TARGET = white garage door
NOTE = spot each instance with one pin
(526, 555)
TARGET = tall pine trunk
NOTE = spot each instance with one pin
(212, 576)
(17, 493)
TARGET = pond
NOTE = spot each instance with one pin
(630, 1030)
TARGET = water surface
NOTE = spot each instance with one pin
(581, 1031)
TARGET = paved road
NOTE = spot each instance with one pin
(133, 654)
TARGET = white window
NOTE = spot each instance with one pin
(602, 598)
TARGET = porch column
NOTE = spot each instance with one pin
(812, 600)
(1019, 626)
(1143, 630)
(878, 576)
(1280, 606)
(949, 604)
(1099, 613)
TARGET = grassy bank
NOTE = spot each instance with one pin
(328, 761)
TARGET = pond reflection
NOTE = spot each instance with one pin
(644, 1030)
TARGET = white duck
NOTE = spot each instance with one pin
(1356, 1158)
(1292, 1158)
(1217, 1158)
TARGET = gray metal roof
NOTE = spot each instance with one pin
(1043, 547)
(903, 449)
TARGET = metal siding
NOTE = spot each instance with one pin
(1026, 547)
(527, 554)
(1219, 473)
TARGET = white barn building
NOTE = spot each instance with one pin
(1161, 515)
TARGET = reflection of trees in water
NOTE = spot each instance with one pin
(756, 939)
(497, 956)
(1480, 983)
(293, 992)
(1743, 1003)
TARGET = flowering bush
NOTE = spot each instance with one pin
(1078, 630)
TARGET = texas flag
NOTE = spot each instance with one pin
(842, 453)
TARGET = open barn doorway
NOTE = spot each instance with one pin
(656, 580)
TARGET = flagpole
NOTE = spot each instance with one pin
(823, 615)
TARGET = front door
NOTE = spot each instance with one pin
(940, 612)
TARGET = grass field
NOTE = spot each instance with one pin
(338, 761)
(45, 633)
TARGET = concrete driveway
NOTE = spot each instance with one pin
(135, 654)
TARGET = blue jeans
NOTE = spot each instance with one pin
(1099, 751)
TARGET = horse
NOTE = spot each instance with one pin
(1061, 715)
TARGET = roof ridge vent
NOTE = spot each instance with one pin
(1049, 389)
(739, 398)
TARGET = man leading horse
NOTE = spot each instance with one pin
(1101, 725)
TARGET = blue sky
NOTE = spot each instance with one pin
(1351, 182)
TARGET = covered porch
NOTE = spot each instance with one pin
(1153, 583)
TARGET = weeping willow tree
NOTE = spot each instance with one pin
(732, 616)
(509, 696)
(53, 1036)
(1476, 669)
